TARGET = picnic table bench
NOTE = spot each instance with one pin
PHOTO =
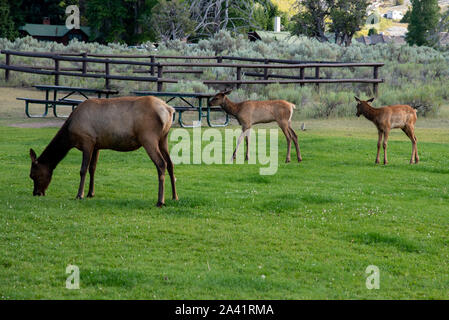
(189, 106)
(64, 101)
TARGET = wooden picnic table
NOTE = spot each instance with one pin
(200, 97)
(64, 101)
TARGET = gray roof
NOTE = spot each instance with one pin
(47, 30)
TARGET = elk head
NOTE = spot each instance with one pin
(360, 104)
(218, 99)
(40, 174)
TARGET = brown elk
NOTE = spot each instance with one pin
(249, 113)
(387, 118)
(121, 124)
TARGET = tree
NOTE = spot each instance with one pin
(406, 17)
(311, 19)
(424, 19)
(170, 20)
(7, 28)
(106, 19)
(264, 16)
(347, 17)
(235, 15)
(372, 31)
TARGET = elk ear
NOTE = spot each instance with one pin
(33, 155)
(370, 100)
(227, 92)
(357, 99)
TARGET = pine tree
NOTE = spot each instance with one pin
(7, 27)
(424, 19)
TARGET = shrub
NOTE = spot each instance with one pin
(413, 75)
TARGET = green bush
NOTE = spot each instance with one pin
(413, 75)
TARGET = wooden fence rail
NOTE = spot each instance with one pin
(157, 69)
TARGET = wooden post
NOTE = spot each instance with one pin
(56, 71)
(8, 61)
(219, 59)
(84, 63)
(152, 60)
(317, 76)
(108, 83)
(239, 76)
(376, 85)
(301, 76)
(265, 71)
(160, 74)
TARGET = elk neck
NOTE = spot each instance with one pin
(369, 112)
(57, 149)
(230, 107)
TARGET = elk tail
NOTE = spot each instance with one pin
(165, 113)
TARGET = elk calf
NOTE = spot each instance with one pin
(121, 124)
(387, 118)
(249, 113)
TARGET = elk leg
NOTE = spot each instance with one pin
(154, 153)
(386, 133)
(92, 168)
(163, 146)
(87, 155)
(239, 141)
(409, 132)
(247, 138)
(379, 143)
(295, 140)
(287, 134)
(416, 147)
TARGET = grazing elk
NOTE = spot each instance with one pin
(387, 118)
(249, 113)
(121, 124)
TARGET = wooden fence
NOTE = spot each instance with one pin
(157, 66)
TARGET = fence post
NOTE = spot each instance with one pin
(239, 76)
(106, 66)
(301, 76)
(152, 60)
(265, 71)
(56, 71)
(220, 59)
(376, 85)
(7, 70)
(84, 63)
(317, 76)
(160, 73)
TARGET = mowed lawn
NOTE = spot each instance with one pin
(308, 232)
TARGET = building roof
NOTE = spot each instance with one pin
(47, 30)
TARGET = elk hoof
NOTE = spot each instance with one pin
(175, 198)
(79, 197)
(160, 204)
(91, 195)
(287, 160)
(299, 159)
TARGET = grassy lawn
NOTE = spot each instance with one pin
(308, 232)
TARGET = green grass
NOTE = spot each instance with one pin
(311, 229)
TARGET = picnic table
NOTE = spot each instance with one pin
(200, 97)
(64, 101)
